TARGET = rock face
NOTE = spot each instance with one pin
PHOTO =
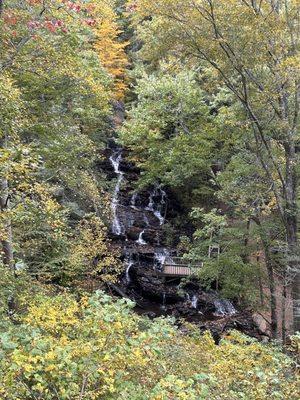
(138, 220)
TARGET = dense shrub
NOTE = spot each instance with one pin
(99, 349)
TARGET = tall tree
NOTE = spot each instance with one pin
(110, 48)
(10, 116)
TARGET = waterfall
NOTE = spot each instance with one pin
(140, 240)
(194, 301)
(158, 212)
(224, 307)
(159, 216)
(163, 301)
(161, 255)
(137, 222)
(133, 201)
(115, 160)
(150, 206)
(146, 220)
(157, 208)
(129, 220)
(129, 262)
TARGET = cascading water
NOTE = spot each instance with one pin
(164, 301)
(150, 206)
(159, 216)
(140, 240)
(194, 301)
(146, 220)
(133, 201)
(224, 307)
(129, 220)
(156, 208)
(138, 217)
(161, 256)
(129, 262)
(115, 160)
(158, 213)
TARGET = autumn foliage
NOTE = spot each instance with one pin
(112, 54)
(99, 349)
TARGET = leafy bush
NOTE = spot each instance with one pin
(99, 349)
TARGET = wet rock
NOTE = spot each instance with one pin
(145, 212)
(192, 285)
(150, 314)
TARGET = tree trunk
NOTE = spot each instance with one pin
(293, 269)
(273, 300)
(261, 291)
(270, 270)
(296, 302)
(6, 241)
(283, 307)
(245, 255)
(291, 227)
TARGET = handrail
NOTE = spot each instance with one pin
(183, 262)
(183, 265)
(172, 269)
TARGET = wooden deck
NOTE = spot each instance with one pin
(179, 268)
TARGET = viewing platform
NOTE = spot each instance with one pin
(179, 267)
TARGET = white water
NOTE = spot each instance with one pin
(129, 220)
(157, 209)
(194, 301)
(140, 240)
(150, 206)
(130, 263)
(164, 301)
(161, 256)
(158, 212)
(115, 160)
(146, 220)
(224, 307)
(133, 201)
(159, 216)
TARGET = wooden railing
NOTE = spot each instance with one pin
(179, 267)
